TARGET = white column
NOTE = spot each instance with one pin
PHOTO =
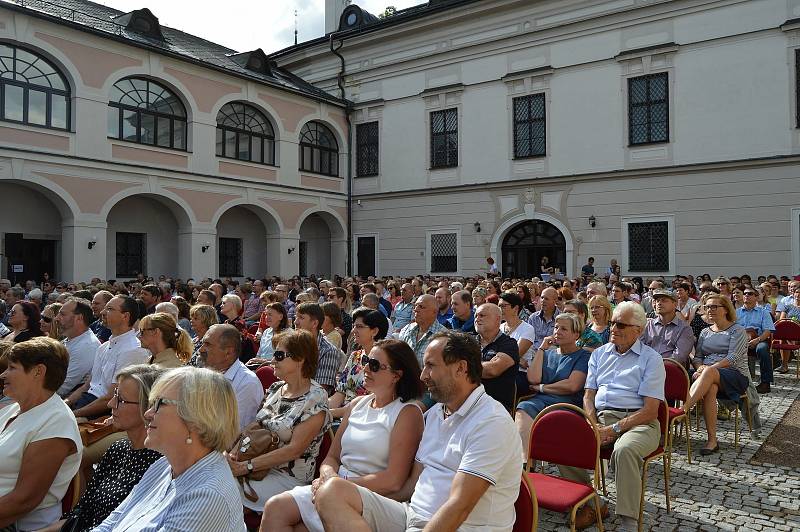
(78, 262)
(279, 260)
(193, 262)
(339, 256)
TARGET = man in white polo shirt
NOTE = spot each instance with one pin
(74, 319)
(466, 474)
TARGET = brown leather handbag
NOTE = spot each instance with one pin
(254, 441)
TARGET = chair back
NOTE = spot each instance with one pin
(70, 499)
(663, 420)
(563, 434)
(676, 384)
(525, 507)
(786, 331)
(266, 374)
(325, 446)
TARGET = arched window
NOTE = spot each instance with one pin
(319, 151)
(32, 90)
(244, 133)
(143, 111)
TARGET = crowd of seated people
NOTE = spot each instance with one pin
(174, 373)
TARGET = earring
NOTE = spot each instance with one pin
(189, 440)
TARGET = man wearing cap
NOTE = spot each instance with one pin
(668, 333)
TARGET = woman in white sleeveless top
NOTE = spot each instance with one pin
(376, 443)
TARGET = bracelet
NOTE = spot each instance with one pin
(541, 388)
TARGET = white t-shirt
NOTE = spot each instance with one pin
(51, 419)
(524, 330)
(112, 357)
(82, 350)
(478, 439)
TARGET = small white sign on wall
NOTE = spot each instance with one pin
(17, 268)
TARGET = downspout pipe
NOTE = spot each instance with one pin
(348, 109)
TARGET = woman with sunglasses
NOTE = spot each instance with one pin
(369, 326)
(24, 321)
(376, 444)
(191, 420)
(126, 461)
(720, 364)
(47, 323)
(296, 410)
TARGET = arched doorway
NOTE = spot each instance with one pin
(526, 243)
(246, 242)
(322, 247)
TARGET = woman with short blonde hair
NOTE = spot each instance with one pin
(600, 312)
(192, 420)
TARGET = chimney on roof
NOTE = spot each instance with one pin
(333, 11)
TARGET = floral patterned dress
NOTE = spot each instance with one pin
(351, 379)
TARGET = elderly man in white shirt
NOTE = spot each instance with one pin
(219, 351)
(466, 473)
(121, 350)
(73, 320)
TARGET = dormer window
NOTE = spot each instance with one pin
(143, 22)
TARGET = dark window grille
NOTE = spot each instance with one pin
(32, 90)
(244, 133)
(444, 252)
(145, 112)
(797, 86)
(529, 126)
(319, 151)
(648, 247)
(130, 254)
(444, 138)
(230, 257)
(367, 149)
(648, 109)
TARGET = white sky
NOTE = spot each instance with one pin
(245, 25)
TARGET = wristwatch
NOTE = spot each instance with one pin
(541, 388)
(249, 466)
(617, 428)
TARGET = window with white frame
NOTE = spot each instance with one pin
(648, 245)
(443, 246)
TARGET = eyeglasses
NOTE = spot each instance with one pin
(620, 325)
(711, 308)
(280, 355)
(12, 312)
(159, 402)
(118, 401)
(373, 364)
(749, 293)
(140, 332)
(47, 319)
(361, 326)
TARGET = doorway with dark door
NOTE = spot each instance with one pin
(526, 243)
(365, 256)
(29, 258)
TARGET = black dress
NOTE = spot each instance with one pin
(120, 469)
(25, 335)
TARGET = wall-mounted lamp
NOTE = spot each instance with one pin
(592, 221)
(92, 242)
(205, 247)
(358, 203)
(477, 226)
(290, 250)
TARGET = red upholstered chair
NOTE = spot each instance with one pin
(787, 338)
(526, 508)
(253, 329)
(252, 520)
(266, 374)
(563, 434)
(676, 388)
(73, 494)
(662, 451)
(325, 446)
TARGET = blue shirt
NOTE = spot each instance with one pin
(443, 318)
(623, 381)
(758, 318)
(403, 314)
(784, 302)
(542, 327)
(557, 367)
(457, 324)
(205, 498)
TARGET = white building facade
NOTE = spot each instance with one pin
(661, 133)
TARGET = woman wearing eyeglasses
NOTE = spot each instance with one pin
(296, 410)
(376, 443)
(191, 420)
(126, 461)
(369, 326)
(720, 363)
(47, 323)
(23, 320)
(168, 345)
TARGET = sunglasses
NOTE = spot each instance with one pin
(373, 364)
(47, 319)
(749, 293)
(620, 325)
(280, 355)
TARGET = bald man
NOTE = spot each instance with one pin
(499, 356)
(544, 320)
(418, 334)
